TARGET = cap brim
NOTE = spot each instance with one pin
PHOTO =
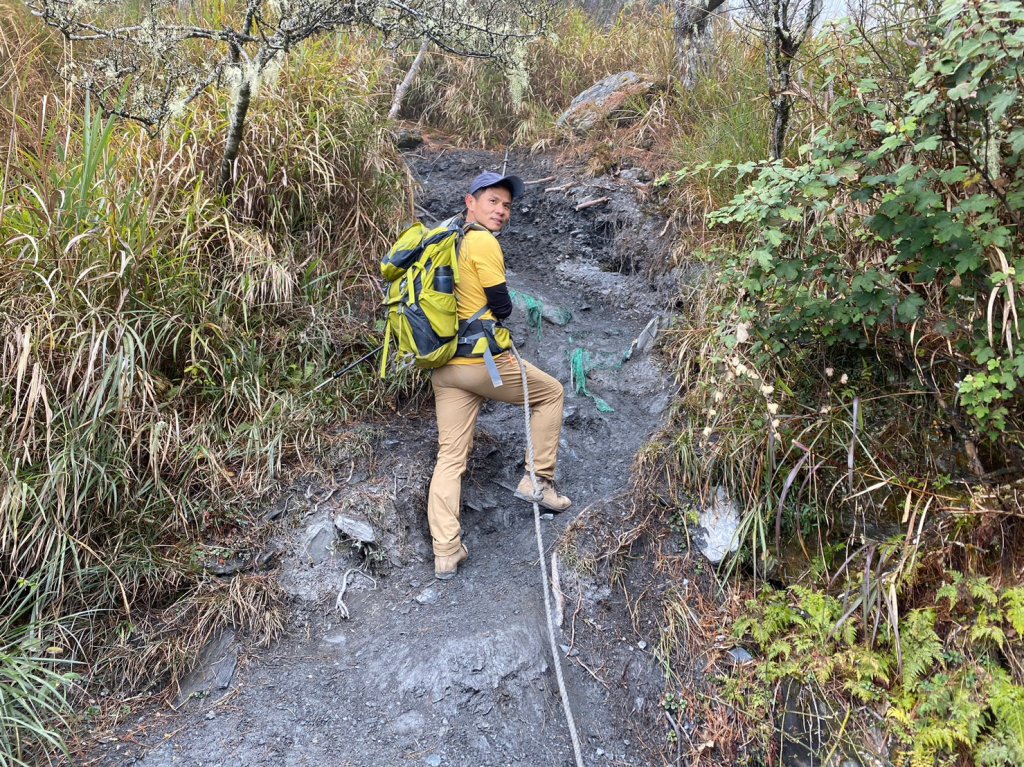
(515, 185)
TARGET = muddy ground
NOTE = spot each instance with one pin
(460, 673)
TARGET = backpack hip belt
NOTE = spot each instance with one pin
(475, 333)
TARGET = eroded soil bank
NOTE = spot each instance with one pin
(459, 673)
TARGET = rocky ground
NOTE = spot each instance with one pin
(380, 663)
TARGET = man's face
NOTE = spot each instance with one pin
(492, 209)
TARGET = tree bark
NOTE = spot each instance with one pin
(407, 81)
(694, 43)
(233, 143)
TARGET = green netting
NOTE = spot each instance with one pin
(534, 311)
(579, 366)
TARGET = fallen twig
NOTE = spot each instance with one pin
(592, 203)
(544, 180)
(561, 188)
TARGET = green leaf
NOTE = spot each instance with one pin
(1000, 103)
(909, 309)
(928, 144)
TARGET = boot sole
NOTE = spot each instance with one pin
(529, 499)
(449, 574)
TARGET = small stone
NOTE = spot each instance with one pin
(600, 752)
(210, 714)
(428, 596)
(356, 528)
(565, 648)
(547, 516)
(642, 644)
(336, 638)
(433, 760)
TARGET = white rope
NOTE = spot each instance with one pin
(544, 571)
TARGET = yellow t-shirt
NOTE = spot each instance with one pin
(481, 265)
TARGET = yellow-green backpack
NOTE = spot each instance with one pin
(422, 319)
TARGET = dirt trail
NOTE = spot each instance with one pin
(459, 673)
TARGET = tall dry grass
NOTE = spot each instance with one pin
(160, 345)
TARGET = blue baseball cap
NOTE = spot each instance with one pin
(489, 178)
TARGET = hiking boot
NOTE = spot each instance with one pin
(547, 496)
(446, 567)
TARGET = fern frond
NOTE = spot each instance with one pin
(1013, 605)
(982, 589)
(1007, 703)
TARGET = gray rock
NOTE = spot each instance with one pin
(601, 99)
(720, 523)
(337, 638)
(409, 723)
(645, 341)
(556, 315)
(637, 175)
(277, 509)
(428, 596)
(318, 541)
(433, 761)
(213, 671)
(658, 404)
(408, 139)
(739, 656)
(356, 528)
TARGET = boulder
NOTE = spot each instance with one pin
(600, 100)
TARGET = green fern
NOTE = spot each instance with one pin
(1007, 701)
(922, 648)
(986, 628)
(982, 589)
(1013, 605)
(951, 591)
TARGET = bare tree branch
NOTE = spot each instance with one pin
(143, 64)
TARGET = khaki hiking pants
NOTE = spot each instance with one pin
(459, 391)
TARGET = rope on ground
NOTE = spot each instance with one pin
(544, 571)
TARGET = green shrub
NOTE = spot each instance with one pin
(906, 236)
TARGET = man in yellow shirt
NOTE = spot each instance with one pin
(474, 375)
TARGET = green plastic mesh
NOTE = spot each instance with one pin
(534, 311)
(579, 366)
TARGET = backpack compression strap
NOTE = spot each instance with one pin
(472, 339)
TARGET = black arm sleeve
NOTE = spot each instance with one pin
(498, 300)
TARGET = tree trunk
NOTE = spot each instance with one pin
(233, 144)
(694, 43)
(407, 81)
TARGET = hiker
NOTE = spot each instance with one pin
(462, 385)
